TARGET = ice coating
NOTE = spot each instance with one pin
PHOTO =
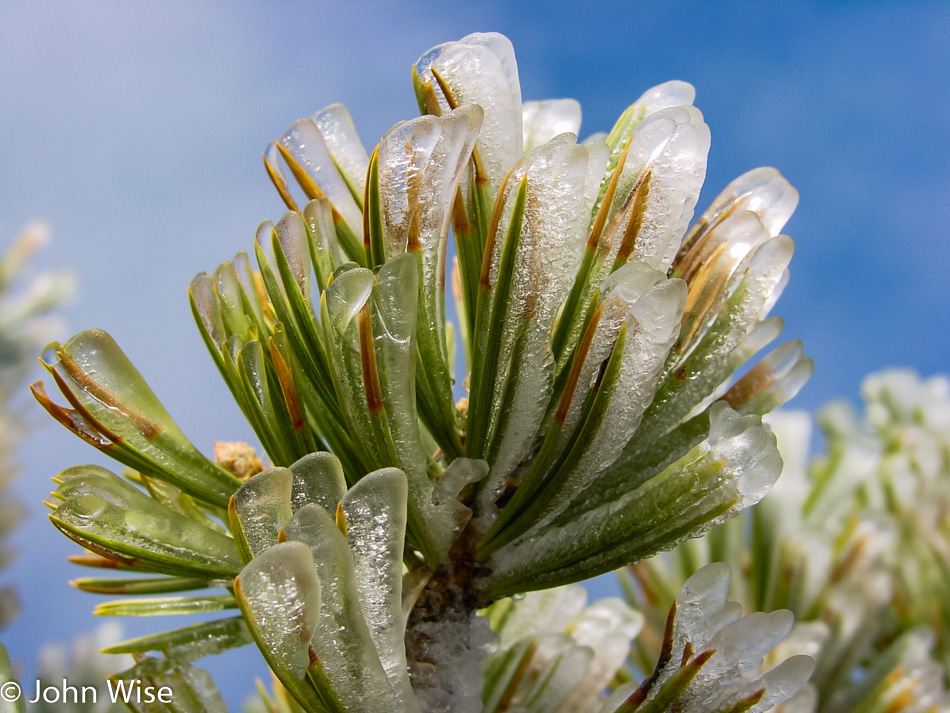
(342, 639)
(596, 168)
(447, 515)
(505, 51)
(806, 637)
(325, 250)
(306, 145)
(700, 608)
(773, 381)
(708, 361)
(610, 526)
(420, 164)
(262, 506)
(245, 275)
(275, 171)
(562, 672)
(230, 307)
(355, 292)
(749, 302)
(124, 520)
(339, 133)
(772, 369)
(719, 254)
(318, 478)
(543, 120)
(203, 298)
(394, 314)
(264, 244)
(280, 597)
(391, 298)
(199, 685)
(763, 191)
(252, 367)
(292, 237)
(663, 96)
(99, 374)
(805, 701)
(781, 683)
(762, 333)
(562, 177)
(671, 146)
(75, 472)
(460, 472)
(622, 289)
(747, 449)
(184, 646)
(481, 69)
(375, 510)
(652, 325)
(744, 643)
(394, 309)
(776, 293)
(390, 342)
(346, 296)
(447, 670)
(652, 322)
(552, 238)
(214, 295)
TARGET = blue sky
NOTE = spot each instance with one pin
(135, 129)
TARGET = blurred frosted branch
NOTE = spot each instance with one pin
(856, 542)
(81, 663)
(27, 298)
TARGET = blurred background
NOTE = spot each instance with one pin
(135, 130)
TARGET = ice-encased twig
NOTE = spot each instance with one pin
(732, 469)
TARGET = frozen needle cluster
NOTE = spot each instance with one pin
(601, 422)
(856, 543)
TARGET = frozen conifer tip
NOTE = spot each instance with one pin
(602, 421)
(711, 658)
